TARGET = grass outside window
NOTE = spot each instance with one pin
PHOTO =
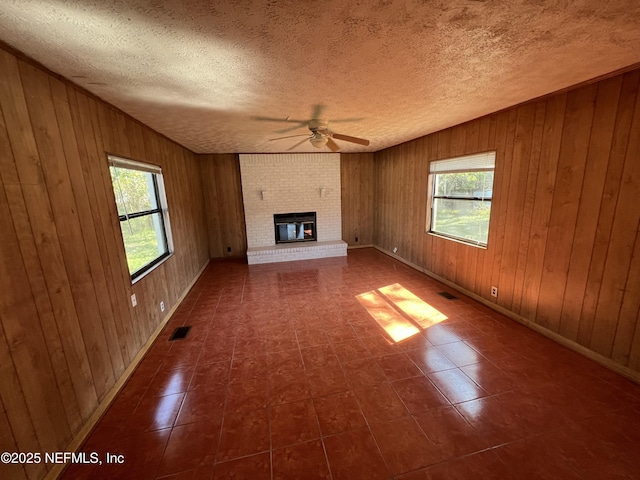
(461, 195)
(142, 211)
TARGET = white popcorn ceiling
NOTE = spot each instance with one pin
(201, 71)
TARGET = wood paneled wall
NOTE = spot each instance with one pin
(357, 189)
(563, 244)
(223, 203)
(68, 329)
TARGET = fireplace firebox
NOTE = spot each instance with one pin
(295, 227)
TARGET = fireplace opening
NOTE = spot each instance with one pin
(295, 227)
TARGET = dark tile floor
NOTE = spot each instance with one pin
(287, 375)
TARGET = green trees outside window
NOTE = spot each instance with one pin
(461, 197)
(141, 204)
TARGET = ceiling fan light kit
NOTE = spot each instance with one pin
(320, 134)
(318, 140)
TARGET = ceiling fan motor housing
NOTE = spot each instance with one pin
(319, 130)
(318, 125)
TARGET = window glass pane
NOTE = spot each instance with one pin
(144, 240)
(465, 219)
(464, 184)
(134, 190)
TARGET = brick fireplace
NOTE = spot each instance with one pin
(276, 184)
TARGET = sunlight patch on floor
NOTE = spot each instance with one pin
(380, 304)
(417, 309)
(398, 327)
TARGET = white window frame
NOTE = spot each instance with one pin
(161, 208)
(479, 162)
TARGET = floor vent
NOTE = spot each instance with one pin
(179, 333)
(448, 296)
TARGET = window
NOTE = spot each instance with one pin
(461, 190)
(142, 209)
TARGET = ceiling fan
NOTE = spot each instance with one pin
(320, 134)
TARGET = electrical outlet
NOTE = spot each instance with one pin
(228, 249)
(162, 306)
(356, 239)
(134, 301)
(395, 249)
(494, 292)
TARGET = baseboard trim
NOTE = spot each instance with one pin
(576, 347)
(87, 428)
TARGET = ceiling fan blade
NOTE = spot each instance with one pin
(333, 146)
(289, 136)
(297, 144)
(351, 119)
(317, 111)
(347, 138)
(273, 119)
(295, 127)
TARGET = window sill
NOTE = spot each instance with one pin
(457, 240)
(147, 272)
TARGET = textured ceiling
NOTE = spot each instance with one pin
(200, 72)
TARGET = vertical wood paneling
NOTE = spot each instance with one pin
(22, 228)
(566, 200)
(26, 342)
(14, 471)
(543, 195)
(619, 254)
(21, 430)
(623, 343)
(43, 305)
(117, 350)
(517, 155)
(66, 218)
(97, 201)
(223, 202)
(420, 173)
(483, 277)
(8, 168)
(68, 331)
(564, 223)
(33, 211)
(615, 165)
(406, 194)
(500, 198)
(595, 173)
(529, 204)
(631, 309)
(357, 188)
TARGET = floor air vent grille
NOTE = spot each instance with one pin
(448, 296)
(179, 333)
